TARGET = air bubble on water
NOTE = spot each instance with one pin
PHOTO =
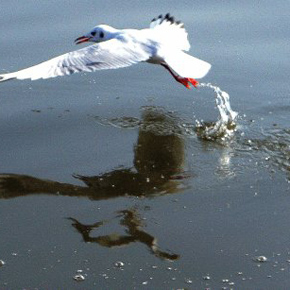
(79, 277)
(261, 259)
(105, 275)
(119, 264)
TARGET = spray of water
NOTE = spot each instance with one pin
(225, 126)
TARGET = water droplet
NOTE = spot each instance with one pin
(119, 264)
(79, 277)
(188, 281)
(261, 259)
(2, 263)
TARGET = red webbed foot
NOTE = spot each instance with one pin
(194, 82)
(187, 81)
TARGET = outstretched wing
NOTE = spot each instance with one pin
(171, 31)
(111, 54)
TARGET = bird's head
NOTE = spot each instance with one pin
(99, 33)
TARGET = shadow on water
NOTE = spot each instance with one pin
(158, 169)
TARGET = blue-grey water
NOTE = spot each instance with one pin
(106, 175)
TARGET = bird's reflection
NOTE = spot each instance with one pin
(134, 233)
(158, 169)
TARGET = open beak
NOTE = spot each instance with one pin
(82, 39)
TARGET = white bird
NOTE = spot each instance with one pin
(163, 43)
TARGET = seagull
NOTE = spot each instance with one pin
(163, 43)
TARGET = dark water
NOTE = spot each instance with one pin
(104, 175)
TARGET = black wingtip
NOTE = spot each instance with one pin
(168, 18)
(171, 19)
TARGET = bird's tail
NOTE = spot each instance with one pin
(186, 65)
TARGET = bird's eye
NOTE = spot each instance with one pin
(93, 33)
(102, 34)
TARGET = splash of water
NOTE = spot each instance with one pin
(225, 126)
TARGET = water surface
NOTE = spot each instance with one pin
(106, 175)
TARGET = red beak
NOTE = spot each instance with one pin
(82, 39)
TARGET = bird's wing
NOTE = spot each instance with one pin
(111, 54)
(186, 65)
(170, 31)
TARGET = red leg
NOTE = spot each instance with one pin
(185, 81)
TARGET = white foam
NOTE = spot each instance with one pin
(225, 125)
